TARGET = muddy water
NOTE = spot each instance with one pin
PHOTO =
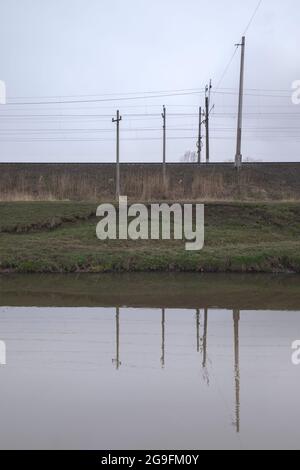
(149, 361)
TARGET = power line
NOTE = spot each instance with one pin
(236, 47)
(145, 115)
(253, 16)
(145, 129)
(109, 94)
(195, 93)
(226, 69)
(103, 100)
(142, 139)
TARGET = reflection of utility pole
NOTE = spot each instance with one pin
(204, 361)
(205, 339)
(117, 360)
(198, 329)
(117, 121)
(236, 319)
(163, 321)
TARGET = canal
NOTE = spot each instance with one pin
(149, 361)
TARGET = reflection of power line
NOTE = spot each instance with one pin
(163, 321)
(116, 361)
(236, 319)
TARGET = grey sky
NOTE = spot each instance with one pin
(76, 48)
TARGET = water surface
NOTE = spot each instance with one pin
(149, 361)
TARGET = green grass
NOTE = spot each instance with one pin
(29, 216)
(61, 237)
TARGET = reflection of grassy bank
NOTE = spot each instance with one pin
(153, 290)
(60, 237)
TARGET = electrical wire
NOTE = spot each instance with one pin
(252, 17)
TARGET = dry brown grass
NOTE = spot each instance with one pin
(17, 196)
(145, 183)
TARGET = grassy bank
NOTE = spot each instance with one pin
(60, 237)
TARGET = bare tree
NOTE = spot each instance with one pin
(189, 157)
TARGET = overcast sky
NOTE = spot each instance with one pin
(83, 50)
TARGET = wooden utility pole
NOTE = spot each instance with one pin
(238, 156)
(117, 121)
(164, 116)
(207, 113)
(199, 143)
(207, 127)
